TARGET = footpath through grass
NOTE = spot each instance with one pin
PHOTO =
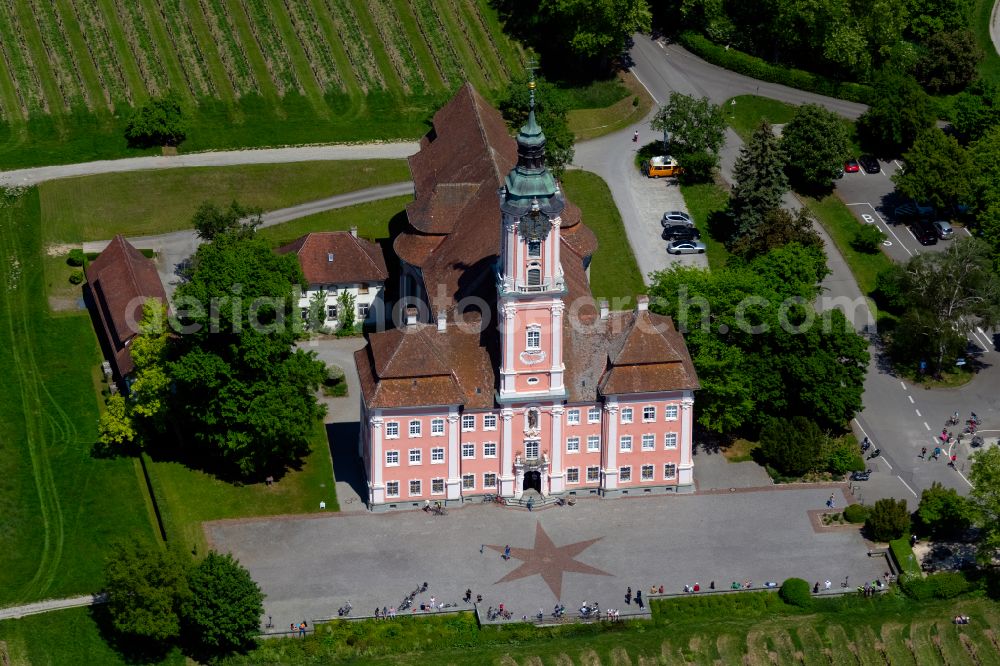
(614, 272)
(152, 202)
(59, 506)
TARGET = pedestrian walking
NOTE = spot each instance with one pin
(923, 453)
(638, 599)
(481, 548)
(954, 459)
(628, 597)
(829, 502)
(506, 552)
(302, 628)
(635, 137)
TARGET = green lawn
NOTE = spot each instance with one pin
(59, 506)
(187, 497)
(151, 202)
(374, 220)
(596, 116)
(749, 110)
(842, 225)
(989, 68)
(613, 271)
(702, 201)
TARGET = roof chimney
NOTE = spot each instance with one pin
(603, 303)
(329, 257)
(411, 315)
(354, 231)
(642, 303)
(442, 321)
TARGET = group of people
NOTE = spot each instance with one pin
(638, 598)
(385, 613)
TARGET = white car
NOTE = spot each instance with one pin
(944, 229)
(686, 247)
(676, 217)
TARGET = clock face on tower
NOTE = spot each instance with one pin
(534, 226)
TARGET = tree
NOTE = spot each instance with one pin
(779, 229)
(943, 513)
(950, 61)
(816, 143)
(223, 611)
(868, 239)
(760, 180)
(975, 110)
(594, 30)
(792, 446)
(985, 499)
(888, 520)
(986, 186)
(158, 122)
(899, 111)
(115, 427)
(949, 293)
(146, 587)
(317, 311)
(550, 114)
(210, 220)
(930, 17)
(346, 311)
(938, 171)
(150, 388)
(243, 396)
(694, 125)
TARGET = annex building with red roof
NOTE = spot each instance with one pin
(507, 377)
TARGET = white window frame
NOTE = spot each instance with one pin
(392, 453)
(533, 338)
(437, 455)
(487, 419)
(573, 475)
(646, 473)
(596, 476)
(331, 310)
(572, 445)
(596, 441)
(573, 417)
(415, 456)
(534, 244)
(468, 482)
(535, 446)
(363, 311)
(625, 474)
(416, 428)
(627, 414)
(437, 427)
(388, 488)
(670, 440)
(468, 422)
(486, 480)
(420, 488)
(625, 444)
(648, 414)
(487, 446)
(440, 483)
(671, 467)
(670, 412)
(391, 426)
(468, 450)
(648, 442)
(594, 415)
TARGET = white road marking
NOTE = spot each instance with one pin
(898, 165)
(907, 485)
(911, 399)
(963, 477)
(903, 384)
(886, 225)
(918, 413)
(887, 463)
(925, 422)
(644, 85)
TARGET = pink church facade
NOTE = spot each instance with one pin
(544, 391)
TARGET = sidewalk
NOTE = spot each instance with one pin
(14, 612)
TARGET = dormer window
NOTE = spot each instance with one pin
(329, 257)
(534, 249)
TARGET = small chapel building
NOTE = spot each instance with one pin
(507, 377)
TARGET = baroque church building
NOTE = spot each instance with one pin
(507, 376)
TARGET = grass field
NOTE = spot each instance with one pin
(989, 68)
(749, 110)
(152, 202)
(613, 271)
(249, 72)
(703, 201)
(595, 117)
(375, 220)
(59, 506)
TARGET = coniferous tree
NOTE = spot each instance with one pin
(760, 180)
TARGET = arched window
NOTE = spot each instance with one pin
(534, 249)
(534, 275)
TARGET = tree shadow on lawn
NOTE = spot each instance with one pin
(348, 466)
(132, 650)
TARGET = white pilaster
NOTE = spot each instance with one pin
(611, 444)
(376, 489)
(550, 240)
(557, 369)
(556, 249)
(685, 471)
(507, 453)
(556, 475)
(454, 482)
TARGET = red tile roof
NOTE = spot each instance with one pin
(120, 281)
(338, 257)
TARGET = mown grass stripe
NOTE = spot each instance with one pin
(271, 45)
(15, 106)
(132, 22)
(98, 89)
(210, 48)
(66, 70)
(28, 28)
(356, 44)
(188, 49)
(335, 40)
(299, 61)
(464, 51)
(436, 37)
(126, 59)
(512, 54)
(231, 49)
(392, 81)
(421, 49)
(308, 32)
(482, 44)
(255, 57)
(169, 56)
(397, 46)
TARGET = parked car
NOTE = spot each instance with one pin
(861, 476)
(675, 217)
(944, 229)
(869, 163)
(686, 247)
(680, 232)
(925, 232)
(661, 166)
(851, 166)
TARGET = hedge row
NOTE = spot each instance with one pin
(756, 68)
(945, 585)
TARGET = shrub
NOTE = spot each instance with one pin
(868, 239)
(158, 122)
(842, 457)
(856, 513)
(795, 592)
(698, 167)
(943, 512)
(791, 446)
(888, 519)
(76, 277)
(76, 258)
(945, 585)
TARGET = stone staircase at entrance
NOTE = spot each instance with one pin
(537, 500)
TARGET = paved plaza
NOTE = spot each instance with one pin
(309, 566)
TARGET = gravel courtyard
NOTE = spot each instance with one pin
(310, 566)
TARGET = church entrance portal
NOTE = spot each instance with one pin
(533, 481)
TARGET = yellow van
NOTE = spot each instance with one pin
(660, 166)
